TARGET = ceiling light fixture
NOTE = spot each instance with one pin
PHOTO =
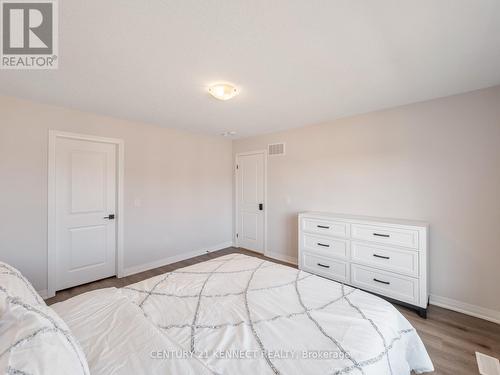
(228, 134)
(223, 91)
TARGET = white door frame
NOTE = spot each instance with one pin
(51, 200)
(236, 205)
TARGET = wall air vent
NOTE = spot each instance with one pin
(276, 149)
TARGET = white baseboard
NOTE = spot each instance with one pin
(283, 258)
(43, 293)
(466, 308)
(176, 258)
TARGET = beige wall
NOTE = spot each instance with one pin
(437, 161)
(183, 180)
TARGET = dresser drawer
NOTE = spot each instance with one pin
(386, 258)
(325, 227)
(324, 266)
(399, 287)
(387, 235)
(326, 245)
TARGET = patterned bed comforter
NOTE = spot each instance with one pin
(242, 315)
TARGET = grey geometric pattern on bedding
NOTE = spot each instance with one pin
(307, 311)
(53, 328)
(7, 270)
(13, 371)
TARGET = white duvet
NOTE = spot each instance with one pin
(242, 315)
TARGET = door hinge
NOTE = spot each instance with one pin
(237, 235)
(237, 166)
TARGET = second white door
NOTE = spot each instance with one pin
(85, 196)
(250, 195)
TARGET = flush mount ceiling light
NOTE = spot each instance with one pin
(228, 134)
(223, 91)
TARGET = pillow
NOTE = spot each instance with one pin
(14, 284)
(35, 340)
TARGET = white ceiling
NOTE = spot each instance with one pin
(296, 62)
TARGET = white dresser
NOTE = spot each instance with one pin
(388, 257)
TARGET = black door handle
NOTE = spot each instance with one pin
(261, 206)
(381, 256)
(110, 217)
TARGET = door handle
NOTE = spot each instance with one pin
(109, 217)
(261, 206)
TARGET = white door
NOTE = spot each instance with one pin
(251, 188)
(85, 194)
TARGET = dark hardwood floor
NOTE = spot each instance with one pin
(451, 338)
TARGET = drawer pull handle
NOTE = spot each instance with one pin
(381, 235)
(381, 256)
(322, 244)
(323, 265)
(382, 282)
(323, 226)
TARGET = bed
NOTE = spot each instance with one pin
(241, 315)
